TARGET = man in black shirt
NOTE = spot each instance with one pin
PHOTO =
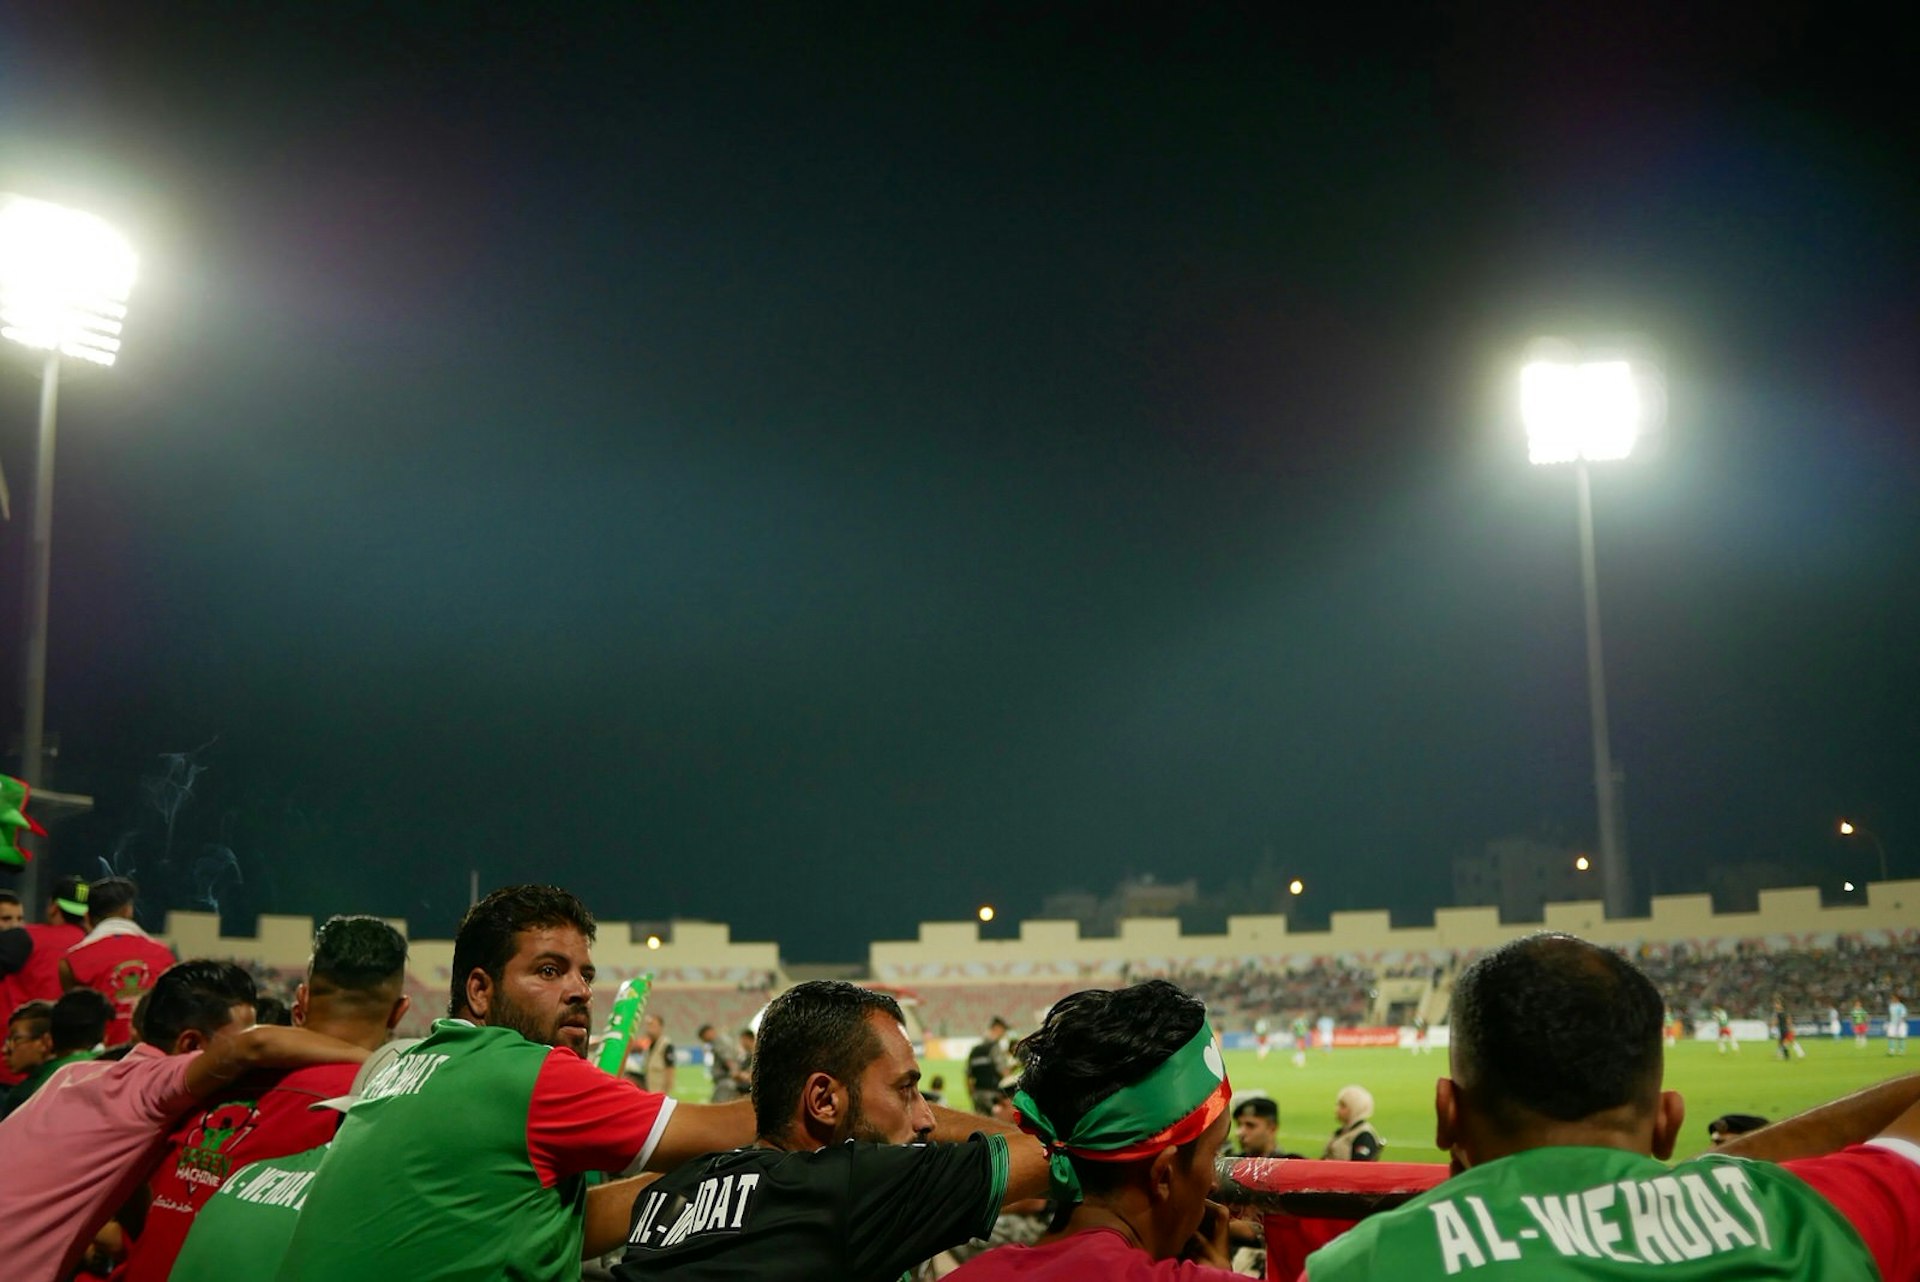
(842, 1182)
(987, 1066)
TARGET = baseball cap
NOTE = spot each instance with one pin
(377, 1061)
(70, 895)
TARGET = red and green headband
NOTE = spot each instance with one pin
(1174, 1104)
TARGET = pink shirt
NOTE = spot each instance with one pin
(77, 1149)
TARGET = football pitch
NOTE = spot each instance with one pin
(1755, 1080)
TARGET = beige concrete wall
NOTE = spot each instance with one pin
(953, 950)
(692, 952)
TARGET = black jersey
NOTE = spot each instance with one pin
(856, 1212)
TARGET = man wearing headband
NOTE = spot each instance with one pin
(1559, 1130)
(1127, 1091)
(841, 1182)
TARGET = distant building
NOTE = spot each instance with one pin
(1521, 875)
(1132, 897)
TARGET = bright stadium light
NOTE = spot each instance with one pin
(1583, 863)
(1850, 829)
(64, 281)
(1580, 408)
(1296, 887)
(653, 943)
(986, 912)
(1590, 411)
(1847, 886)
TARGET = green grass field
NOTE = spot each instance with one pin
(1754, 1081)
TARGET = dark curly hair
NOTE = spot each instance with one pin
(1097, 1041)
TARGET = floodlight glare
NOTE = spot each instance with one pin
(1591, 410)
(64, 279)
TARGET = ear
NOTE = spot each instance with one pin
(300, 1005)
(1668, 1118)
(822, 1102)
(190, 1039)
(399, 1011)
(1446, 1114)
(1160, 1173)
(479, 992)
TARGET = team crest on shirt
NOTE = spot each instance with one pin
(205, 1158)
(129, 979)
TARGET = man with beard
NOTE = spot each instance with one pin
(467, 1154)
(841, 1182)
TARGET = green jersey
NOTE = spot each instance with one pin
(1605, 1213)
(466, 1156)
(243, 1230)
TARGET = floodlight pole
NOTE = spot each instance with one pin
(33, 731)
(1613, 856)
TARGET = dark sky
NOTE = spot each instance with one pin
(824, 467)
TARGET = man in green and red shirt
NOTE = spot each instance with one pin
(353, 991)
(1557, 1127)
(118, 958)
(467, 1155)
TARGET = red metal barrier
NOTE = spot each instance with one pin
(1303, 1205)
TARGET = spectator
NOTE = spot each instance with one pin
(1256, 1125)
(242, 1231)
(30, 955)
(271, 1010)
(988, 1065)
(29, 1045)
(353, 992)
(1556, 1123)
(721, 1066)
(834, 1186)
(657, 1061)
(117, 958)
(1354, 1140)
(468, 1155)
(1128, 1092)
(96, 1129)
(12, 915)
(75, 1025)
(743, 1070)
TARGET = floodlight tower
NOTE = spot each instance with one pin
(64, 281)
(1581, 411)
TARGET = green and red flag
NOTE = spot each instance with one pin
(15, 822)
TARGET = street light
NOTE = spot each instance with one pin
(64, 281)
(1579, 411)
(1848, 829)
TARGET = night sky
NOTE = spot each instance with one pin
(824, 467)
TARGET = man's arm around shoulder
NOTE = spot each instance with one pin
(264, 1046)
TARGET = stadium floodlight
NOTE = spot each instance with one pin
(1589, 411)
(1850, 829)
(1581, 408)
(64, 281)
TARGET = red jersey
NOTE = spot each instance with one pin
(38, 979)
(264, 1115)
(1095, 1253)
(122, 967)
